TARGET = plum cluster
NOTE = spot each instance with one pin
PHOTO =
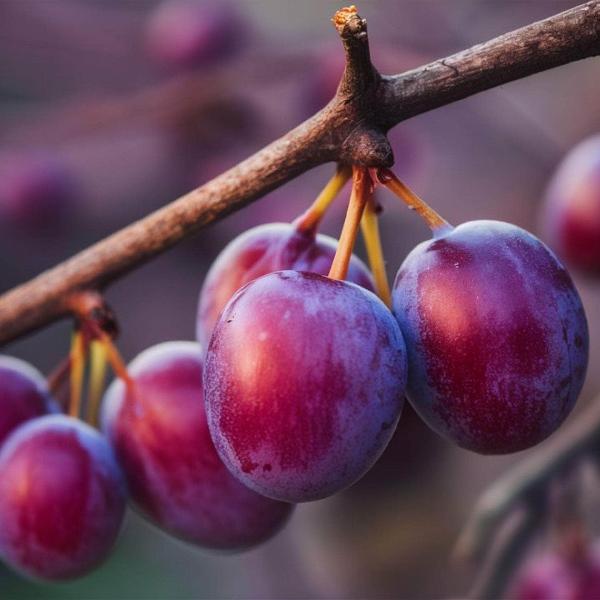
(64, 485)
(293, 391)
(305, 375)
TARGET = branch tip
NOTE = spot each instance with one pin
(344, 16)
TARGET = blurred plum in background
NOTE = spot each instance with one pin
(38, 192)
(188, 34)
(571, 211)
(559, 575)
(62, 498)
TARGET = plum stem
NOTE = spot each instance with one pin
(98, 360)
(59, 375)
(435, 222)
(309, 221)
(98, 322)
(370, 231)
(114, 357)
(77, 361)
(361, 184)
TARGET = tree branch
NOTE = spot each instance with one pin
(511, 546)
(527, 481)
(350, 129)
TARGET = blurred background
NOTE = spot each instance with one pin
(110, 109)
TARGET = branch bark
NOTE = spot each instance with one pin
(350, 129)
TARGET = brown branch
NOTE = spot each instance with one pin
(350, 129)
(511, 546)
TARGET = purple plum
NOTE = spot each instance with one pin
(571, 212)
(158, 428)
(496, 334)
(62, 498)
(23, 395)
(262, 250)
(304, 381)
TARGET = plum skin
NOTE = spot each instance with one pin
(159, 431)
(23, 395)
(62, 498)
(262, 250)
(496, 335)
(304, 380)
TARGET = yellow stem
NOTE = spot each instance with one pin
(370, 230)
(361, 184)
(309, 221)
(77, 361)
(98, 358)
(436, 223)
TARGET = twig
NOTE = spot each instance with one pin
(511, 545)
(526, 480)
(351, 129)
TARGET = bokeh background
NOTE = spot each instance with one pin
(112, 108)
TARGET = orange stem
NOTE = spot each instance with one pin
(436, 223)
(114, 357)
(361, 186)
(58, 376)
(309, 220)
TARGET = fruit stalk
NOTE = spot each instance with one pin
(370, 231)
(435, 222)
(361, 184)
(98, 359)
(59, 375)
(310, 220)
(114, 358)
(77, 361)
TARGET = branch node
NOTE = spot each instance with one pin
(368, 148)
(90, 309)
